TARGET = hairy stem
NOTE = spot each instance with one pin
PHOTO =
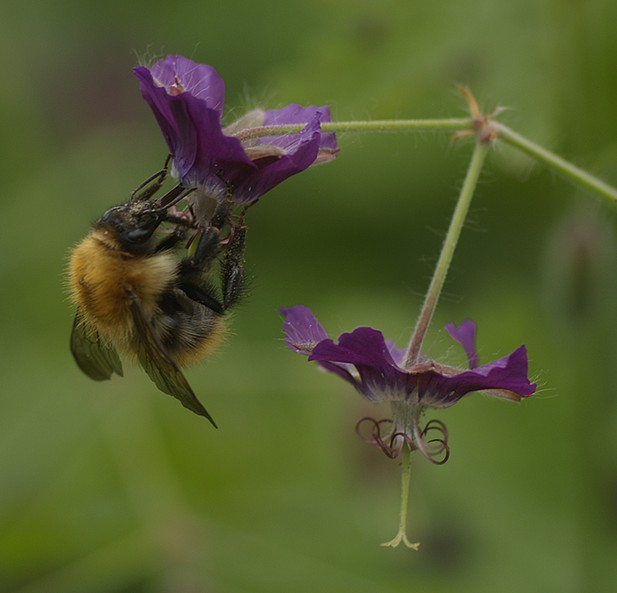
(447, 251)
(565, 168)
(388, 125)
(399, 125)
(507, 135)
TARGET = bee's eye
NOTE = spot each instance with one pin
(143, 229)
(139, 235)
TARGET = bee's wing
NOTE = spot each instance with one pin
(94, 356)
(160, 367)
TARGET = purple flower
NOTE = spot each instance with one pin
(375, 368)
(187, 100)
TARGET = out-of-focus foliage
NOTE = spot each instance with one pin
(114, 487)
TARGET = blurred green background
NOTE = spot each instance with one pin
(116, 488)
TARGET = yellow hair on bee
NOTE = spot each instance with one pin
(101, 280)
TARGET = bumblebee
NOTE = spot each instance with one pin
(136, 295)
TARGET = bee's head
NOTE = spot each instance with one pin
(131, 225)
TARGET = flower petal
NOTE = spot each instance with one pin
(366, 349)
(187, 100)
(179, 74)
(296, 114)
(465, 335)
(508, 374)
(202, 154)
(172, 118)
(302, 330)
(299, 152)
(363, 346)
(397, 354)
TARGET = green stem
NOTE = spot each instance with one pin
(401, 535)
(399, 125)
(447, 252)
(567, 169)
(392, 125)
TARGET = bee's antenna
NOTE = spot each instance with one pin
(173, 196)
(137, 195)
